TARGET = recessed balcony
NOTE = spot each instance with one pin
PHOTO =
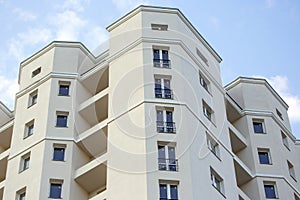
(3, 164)
(5, 136)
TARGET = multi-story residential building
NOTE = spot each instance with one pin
(148, 118)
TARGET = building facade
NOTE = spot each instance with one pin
(146, 118)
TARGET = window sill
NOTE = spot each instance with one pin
(61, 127)
(31, 105)
(27, 136)
(260, 133)
(23, 170)
(266, 164)
(62, 95)
(58, 160)
(216, 155)
(219, 191)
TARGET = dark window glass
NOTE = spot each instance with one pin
(162, 158)
(270, 191)
(22, 196)
(64, 90)
(263, 157)
(258, 127)
(174, 192)
(26, 163)
(61, 121)
(163, 192)
(156, 54)
(165, 55)
(55, 190)
(59, 154)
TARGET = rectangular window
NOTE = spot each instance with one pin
(29, 128)
(279, 114)
(258, 126)
(163, 88)
(168, 190)
(59, 152)
(167, 157)
(270, 190)
(159, 27)
(201, 56)
(264, 156)
(64, 88)
(285, 140)
(203, 82)
(291, 170)
(24, 162)
(217, 181)
(207, 111)
(32, 98)
(21, 194)
(55, 189)
(164, 121)
(161, 58)
(62, 119)
(212, 145)
(36, 72)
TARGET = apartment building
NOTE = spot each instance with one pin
(146, 118)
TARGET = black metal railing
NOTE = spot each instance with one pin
(167, 164)
(165, 127)
(162, 63)
(163, 93)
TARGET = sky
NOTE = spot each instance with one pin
(257, 38)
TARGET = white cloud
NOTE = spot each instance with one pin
(24, 15)
(76, 5)
(124, 5)
(68, 25)
(281, 85)
(8, 89)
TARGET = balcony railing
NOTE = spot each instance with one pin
(165, 127)
(163, 93)
(167, 164)
(162, 63)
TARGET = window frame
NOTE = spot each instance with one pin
(163, 87)
(165, 126)
(35, 72)
(285, 140)
(217, 181)
(213, 145)
(33, 96)
(56, 182)
(168, 184)
(266, 151)
(64, 115)
(29, 129)
(56, 157)
(208, 112)
(263, 127)
(160, 61)
(270, 184)
(66, 84)
(21, 194)
(169, 165)
(204, 82)
(291, 170)
(159, 27)
(24, 162)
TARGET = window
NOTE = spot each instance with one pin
(264, 156)
(285, 140)
(161, 58)
(270, 190)
(279, 114)
(291, 170)
(201, 56)
(207, 111)
(212, 145)
(55, 189)
(21, 194)
(168, 190)
(32, 98)
(29, 128)
(203, 82)
(59, 152)
(162, 88)
(25, 160)
(164, 121)
(62, 119)
(217, 181)
(159, 27)
(258, 126)
(64, 88)
(167, 157)
(36, 72)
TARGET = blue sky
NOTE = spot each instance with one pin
(255, 38)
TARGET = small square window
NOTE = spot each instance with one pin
(258, 126)
(59, 152)
(64, 88)
(25, 161)
(159, 27)
(29, 129)
(264, 156)
(62, 119)
(207, 111)
(270, 190)
(36, 72)
(212, 145)
(32, 98)
(279, 114)
(291, 170)
(217, 181)
(21, 194)
(204, 82)
(55, 189)
(285, 140)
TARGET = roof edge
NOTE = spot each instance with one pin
(5, 109)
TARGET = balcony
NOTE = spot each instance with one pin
(165, 127)
(5, 136)
(92, 177)
(3, 164)
(162, 63)
(163, 93)
(167, 164)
